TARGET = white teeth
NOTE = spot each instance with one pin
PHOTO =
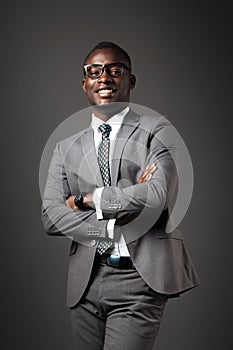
(105, 90)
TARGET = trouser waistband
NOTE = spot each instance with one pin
(121, 262)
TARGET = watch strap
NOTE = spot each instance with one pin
(78, 201)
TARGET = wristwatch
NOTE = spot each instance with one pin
(78, 201)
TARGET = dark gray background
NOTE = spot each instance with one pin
(182, 58)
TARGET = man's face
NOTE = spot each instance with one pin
(107, 89)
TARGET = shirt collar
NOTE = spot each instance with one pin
(117, 119)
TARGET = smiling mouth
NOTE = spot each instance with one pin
(105, 91)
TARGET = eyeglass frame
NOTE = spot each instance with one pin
(103, 67)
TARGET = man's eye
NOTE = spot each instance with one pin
(115, 70)
(94, 71)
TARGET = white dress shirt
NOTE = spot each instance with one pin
(120, 248)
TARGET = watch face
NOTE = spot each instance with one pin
(78, 199)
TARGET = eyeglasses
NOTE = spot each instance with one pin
(94, 71)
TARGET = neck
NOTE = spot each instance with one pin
(107, 111)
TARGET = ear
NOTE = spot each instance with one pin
(84, 85)
(132, 81)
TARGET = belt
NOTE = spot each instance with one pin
(121, 262)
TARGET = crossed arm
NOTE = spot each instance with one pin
(149, 195)
(88, 199)
(57, 216)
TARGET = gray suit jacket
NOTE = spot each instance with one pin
(141, 210)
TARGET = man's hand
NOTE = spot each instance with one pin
(148, 173)
(70, 203)
(88, 199)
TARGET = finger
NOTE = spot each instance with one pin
(148, 177)
(146, 169)
(143, 175)
(141, 179)
(150, 168)
(150, 173)
(153, 168)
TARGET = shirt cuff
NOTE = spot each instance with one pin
(96, 199)
(110, 228)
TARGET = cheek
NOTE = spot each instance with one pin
(88, 90)
(125, 88)
(88, 85)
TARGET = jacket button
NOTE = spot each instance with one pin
(93, 242)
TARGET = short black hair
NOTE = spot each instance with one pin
(109, 45)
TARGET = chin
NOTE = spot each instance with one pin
(105, 102)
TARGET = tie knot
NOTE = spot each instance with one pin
(105, 129)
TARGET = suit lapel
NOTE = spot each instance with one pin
(131, 122)
(89, 151)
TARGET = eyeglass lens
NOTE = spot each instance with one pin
(113, 69)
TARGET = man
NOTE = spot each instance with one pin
(111, 188)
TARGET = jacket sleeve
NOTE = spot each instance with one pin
(149, 198)
(57, 218)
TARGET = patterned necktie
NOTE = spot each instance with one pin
(103, 158)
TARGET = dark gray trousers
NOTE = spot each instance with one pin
(118, 311)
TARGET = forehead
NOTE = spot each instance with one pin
(107, 55)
